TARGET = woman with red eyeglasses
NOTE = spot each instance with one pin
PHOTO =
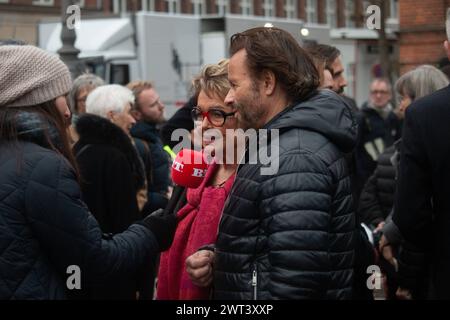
(199, 217)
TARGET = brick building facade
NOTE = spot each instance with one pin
(422, 32)
(18, 18)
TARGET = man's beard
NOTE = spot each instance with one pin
(153, 120)
(250, 116)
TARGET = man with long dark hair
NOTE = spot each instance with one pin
(287, 234)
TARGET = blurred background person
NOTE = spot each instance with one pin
(378, 129)
(182, 119)
(331, 57)
(81, 87)
(148, 111)
(377, 198)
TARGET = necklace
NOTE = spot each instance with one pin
(221, 184)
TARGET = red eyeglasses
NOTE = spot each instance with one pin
(216, 117)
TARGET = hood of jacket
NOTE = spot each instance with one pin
(146, 131)
(324, 112)
(93, 129)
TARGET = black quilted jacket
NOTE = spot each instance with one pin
(291, 235)
(45, 228)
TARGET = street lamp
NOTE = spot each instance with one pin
(68, 52)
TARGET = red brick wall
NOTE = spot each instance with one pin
(279, 8)
(186, 6)
(301, 9)
(211, 6)
(258, 7)
(422, 32)
(235, 6)
(321, 5)
(340, 13)
(88, 4)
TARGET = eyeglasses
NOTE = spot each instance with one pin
(216, 117)
(375, 92)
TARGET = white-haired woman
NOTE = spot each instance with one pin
(111, 170)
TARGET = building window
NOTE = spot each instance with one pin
(311, 11)
(174, 6)
(80, 3)
(148, 5)
(393, 9)
(331, 13)
(199, 7)
(290, 9)
(268, 8)
(247, 7)
(43, 2)
(119, 6)
(349, 13)
(223, 7)
(4, 1)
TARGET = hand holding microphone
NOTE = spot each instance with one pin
(188, 170)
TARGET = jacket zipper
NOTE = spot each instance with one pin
(255, 283)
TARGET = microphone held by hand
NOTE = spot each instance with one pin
(189, 168)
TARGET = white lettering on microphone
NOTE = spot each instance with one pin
(178, 166)
(198, 173)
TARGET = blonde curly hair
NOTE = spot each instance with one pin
(213, 80)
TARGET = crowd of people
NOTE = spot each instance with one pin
(85, 181)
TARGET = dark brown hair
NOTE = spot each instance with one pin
(276, 50)
(323, 52)
(49, 112)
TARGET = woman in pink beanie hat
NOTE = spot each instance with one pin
(47, 234)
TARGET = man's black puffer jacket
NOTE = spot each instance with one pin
(45, 228)
(291, 235)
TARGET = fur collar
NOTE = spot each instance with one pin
(93, 130)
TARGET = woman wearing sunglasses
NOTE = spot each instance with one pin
(199, 218)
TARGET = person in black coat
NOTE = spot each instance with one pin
(286, 233)
(378, 129)
(422, 205)
(46, 229)
(112, 176)
(111, 170)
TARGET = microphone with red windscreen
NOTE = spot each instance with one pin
(189, 168)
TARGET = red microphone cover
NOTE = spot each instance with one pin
(189, 168)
